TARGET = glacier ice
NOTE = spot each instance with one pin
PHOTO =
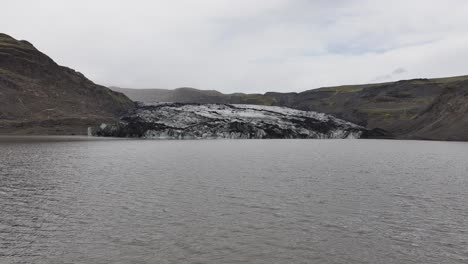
(229, 121)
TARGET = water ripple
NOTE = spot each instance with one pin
(270, 201)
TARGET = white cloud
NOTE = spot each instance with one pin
(244, 45)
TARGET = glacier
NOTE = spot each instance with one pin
(227, 121)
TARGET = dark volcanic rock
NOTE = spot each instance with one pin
(193, 121)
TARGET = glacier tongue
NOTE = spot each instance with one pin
(210, 121)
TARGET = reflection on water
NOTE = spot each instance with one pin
(232, 201)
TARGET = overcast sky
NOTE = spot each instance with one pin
(246, 45)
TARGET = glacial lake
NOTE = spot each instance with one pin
(80, 200)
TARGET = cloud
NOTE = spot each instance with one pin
(389, 76)
(398, 71)
(243, 45)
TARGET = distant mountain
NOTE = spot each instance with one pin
(433, 109)
(191, 95)
(38, 96)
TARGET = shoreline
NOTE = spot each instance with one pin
(78, 138)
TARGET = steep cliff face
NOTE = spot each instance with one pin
(38, 96)
(195, 121)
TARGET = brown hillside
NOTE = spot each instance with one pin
(38, 96)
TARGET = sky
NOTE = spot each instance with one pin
(246, 45)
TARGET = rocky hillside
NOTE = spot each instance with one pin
(446, 118)
(38, 96)
(199, 121)
(398, 107)
(415, 109)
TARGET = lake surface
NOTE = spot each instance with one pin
(74, 200)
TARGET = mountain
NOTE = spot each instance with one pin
(195, 121)
(192, 95)
(38, 96)
(432, 109)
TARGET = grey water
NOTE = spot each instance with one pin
(76, 200)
